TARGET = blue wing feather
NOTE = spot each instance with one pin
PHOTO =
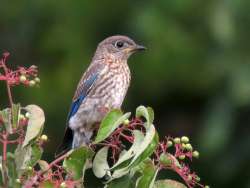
(86, 88)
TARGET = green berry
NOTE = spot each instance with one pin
(198, 178)
(196, 154)
(189, 178)
(126, 122)
(183, 146)
(37, 80)
(177, 140)
(206, 186)
(18, 180)
(189, 147)
(32, 83)
(169, 143)
(44, 137)
(182, 157)
(22, 78)
(27, 115)
(21, 117)
(184, 139)
(29, 168)
(165, 159)
(63, 185)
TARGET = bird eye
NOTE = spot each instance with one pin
(119, 44)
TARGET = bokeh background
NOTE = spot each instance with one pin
(195, 74)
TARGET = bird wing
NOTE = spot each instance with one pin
(84, 87)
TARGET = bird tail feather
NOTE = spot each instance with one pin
(66, 144)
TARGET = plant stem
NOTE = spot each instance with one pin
(4, 160)
(8, 86)
(54, 163)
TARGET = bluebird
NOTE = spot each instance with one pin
(102, 88)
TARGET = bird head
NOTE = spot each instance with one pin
(118, 47)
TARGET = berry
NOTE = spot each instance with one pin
(177, 140)
(63, 185)
(27, 115)
(37, 80)
(18, 180)
(184, 139)
(44, 137)
(22, 78)
(126, 122)
(182, 157)
(32, 83)
(196, 154)
(189, 147)
(169, 143)
(165, 160)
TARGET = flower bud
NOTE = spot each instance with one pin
(22, 78)
(184, 139)
(177, 140)
(44, 137)
(182, 157)
(196, 154)
(32, 83)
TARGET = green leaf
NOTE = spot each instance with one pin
(12, 173)
(44, 166)
(165, 159)
(35, 123)
(76, 161)
(146, 148)
(27, 157)
(15, 109)
(110, 122)
(6, 116)
(149, 174)
(123, 182)
(36, 155)
(100, 163)
(139, 137)
(147, 113)
(147, 145)
(148, 151)
(168, 184)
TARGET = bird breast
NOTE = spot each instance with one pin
(112, 86)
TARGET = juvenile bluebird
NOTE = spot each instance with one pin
(102, 88)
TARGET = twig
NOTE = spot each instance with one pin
(4, 161)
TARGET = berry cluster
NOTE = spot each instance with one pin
(171, 154)
(26, 76)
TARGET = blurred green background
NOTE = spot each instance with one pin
(195, 74)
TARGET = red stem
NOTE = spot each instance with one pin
(4, 160)
(7, 85)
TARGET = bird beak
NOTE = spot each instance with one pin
(139, 48)
(135, 48)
